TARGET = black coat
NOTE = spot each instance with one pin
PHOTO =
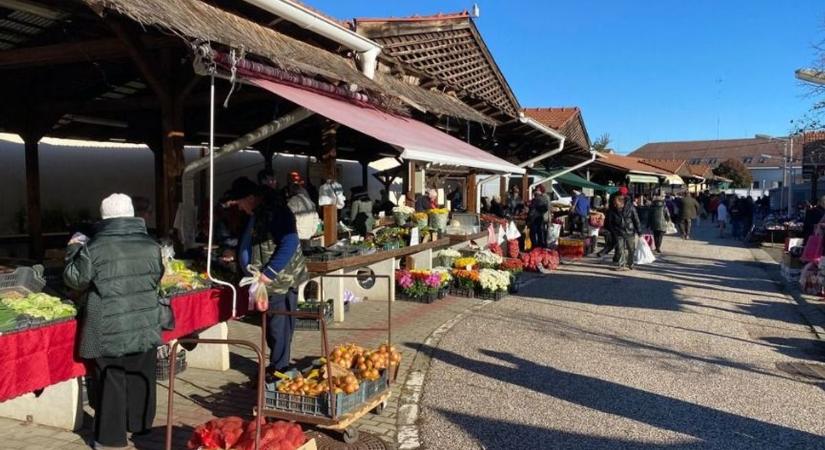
(624, 221)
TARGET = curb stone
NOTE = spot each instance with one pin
(408, 410)
(813, 314)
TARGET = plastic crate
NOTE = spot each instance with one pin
(427, 298)
(313, 324)
(487, 295)
(23, 281)
(162, 368)
(371, 388)
(462, 292)
(315, 406)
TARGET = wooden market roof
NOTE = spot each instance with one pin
(449, 50)
(566, 120)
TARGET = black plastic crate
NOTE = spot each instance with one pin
(23, 281)
(372, 388)
(462, 292)
(313, 324)
(426, 298)
(487, 295)
(316, 406)
(162, 368)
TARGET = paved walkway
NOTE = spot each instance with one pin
(687, 353)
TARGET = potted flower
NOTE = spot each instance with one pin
(488, 259)
(466, 263)
(493, 284)
(420, 219)
(514, 267)
(417, 285)
(445, 278)
(465, 282)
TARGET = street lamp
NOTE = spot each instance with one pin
(811, 76)
(787, 172)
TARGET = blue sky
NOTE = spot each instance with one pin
(645, 71)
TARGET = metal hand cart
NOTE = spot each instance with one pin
(330, 419)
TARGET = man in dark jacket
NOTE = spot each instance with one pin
(624, 221)
(688, 210)
(270, 243)
(119, 271)
(538, 217)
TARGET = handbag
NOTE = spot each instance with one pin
(167, 315)
(813, 249)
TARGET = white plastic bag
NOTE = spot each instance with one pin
(671, 228)
(553, 233)
(643, 255)
(258, 296)
(501, 235)
(512, 231)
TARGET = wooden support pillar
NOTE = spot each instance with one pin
(409, 180)
(472, 193)
(814, 185)
(502, 189)
(525, 188)
(34, 221)
(329, 153)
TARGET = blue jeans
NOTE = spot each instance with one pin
(279, 329)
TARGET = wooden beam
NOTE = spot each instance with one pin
(149, 71)
(409, 180)
(329, 153)
(525, 188)
(502, 190)
(34, 221)
(73, 52)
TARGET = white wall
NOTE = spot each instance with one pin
(75, 176)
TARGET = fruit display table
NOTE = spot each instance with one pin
(45, 357)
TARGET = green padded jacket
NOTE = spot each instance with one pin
(119, 271)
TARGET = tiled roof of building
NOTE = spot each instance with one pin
(566, 120)
(676, 166)
(629, 164)
(748, 151)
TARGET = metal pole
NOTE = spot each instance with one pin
(789, 163)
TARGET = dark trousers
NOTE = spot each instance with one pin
(609, 243)
(657, 239)
(685, 225)
(538, 233)
(280, 328)
(625, 249)
(124, 396)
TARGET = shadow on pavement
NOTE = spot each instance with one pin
(156, 439)
(715, 428)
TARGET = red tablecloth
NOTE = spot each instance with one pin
(39, 357)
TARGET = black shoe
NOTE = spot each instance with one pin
(658, 251)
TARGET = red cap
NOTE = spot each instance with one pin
(623, 190)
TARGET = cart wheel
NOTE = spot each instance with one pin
(379, 409)
(351, 435)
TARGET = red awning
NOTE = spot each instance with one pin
(416, 140)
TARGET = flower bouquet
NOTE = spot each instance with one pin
(488, 259)
(402, 214)
(446, 280)
(420, 219)
(447, 257)
(467, 263)
(438, 218)
(493, 283)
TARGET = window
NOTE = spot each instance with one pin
(712, 161)
(747, 159)
(762, 160)
(756, 185)
(694, 161)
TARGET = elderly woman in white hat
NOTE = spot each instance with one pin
(118, 270)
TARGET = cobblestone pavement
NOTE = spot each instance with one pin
(203, 394)
(700, 350)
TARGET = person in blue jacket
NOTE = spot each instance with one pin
(270, 243)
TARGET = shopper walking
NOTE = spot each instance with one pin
(539, 217)
(625, 228)
(270, 243)
(688, 210)
(118, 271)
(580, 208)
(722, 217)
(659, 218)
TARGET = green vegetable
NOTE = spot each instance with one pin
(40, 305)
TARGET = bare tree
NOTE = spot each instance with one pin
(602, 144)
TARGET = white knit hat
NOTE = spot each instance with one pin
(117, 205)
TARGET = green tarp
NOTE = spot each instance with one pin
(572, 179)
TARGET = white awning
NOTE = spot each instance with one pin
(674, 179)
(642, 179)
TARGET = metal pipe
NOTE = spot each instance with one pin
(212, 200)
(367, 50)
(565, 171)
